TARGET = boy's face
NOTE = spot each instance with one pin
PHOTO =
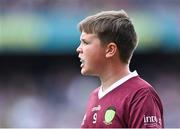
(91, 54)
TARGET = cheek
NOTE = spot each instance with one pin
(94, 54)
(97, 57)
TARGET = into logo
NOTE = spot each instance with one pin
(151, 119)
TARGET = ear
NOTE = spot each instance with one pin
(111, 49)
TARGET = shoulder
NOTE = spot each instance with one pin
(143, 91)
(95, 92)
(136, 83)
(144, 87)
(137, 87)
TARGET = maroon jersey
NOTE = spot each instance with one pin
(129, 103)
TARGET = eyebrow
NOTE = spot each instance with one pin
(84, 40)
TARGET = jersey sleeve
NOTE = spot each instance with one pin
(146, 110)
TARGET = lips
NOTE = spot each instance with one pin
(82, 63)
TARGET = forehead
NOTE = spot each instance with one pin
(88, 36)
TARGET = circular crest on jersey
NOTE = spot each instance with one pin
(109, 115)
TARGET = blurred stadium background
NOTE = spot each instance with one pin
(40, 81)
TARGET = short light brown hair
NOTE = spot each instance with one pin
(113, 26)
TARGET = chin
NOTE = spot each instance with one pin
(85, 72)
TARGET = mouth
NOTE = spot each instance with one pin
(82, 63)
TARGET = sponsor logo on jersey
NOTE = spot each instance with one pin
(152, 120)
(96, 108)
(109, 115)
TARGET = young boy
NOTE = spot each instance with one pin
(124, 100)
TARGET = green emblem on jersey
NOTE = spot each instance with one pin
(109, 115)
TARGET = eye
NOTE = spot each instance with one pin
(84, 42)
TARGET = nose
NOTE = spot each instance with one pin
(79, 49)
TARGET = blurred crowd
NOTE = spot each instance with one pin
(42, 92)
(74, 6)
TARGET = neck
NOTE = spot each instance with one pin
(112, 75)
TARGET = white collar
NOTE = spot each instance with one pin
(116, 84)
